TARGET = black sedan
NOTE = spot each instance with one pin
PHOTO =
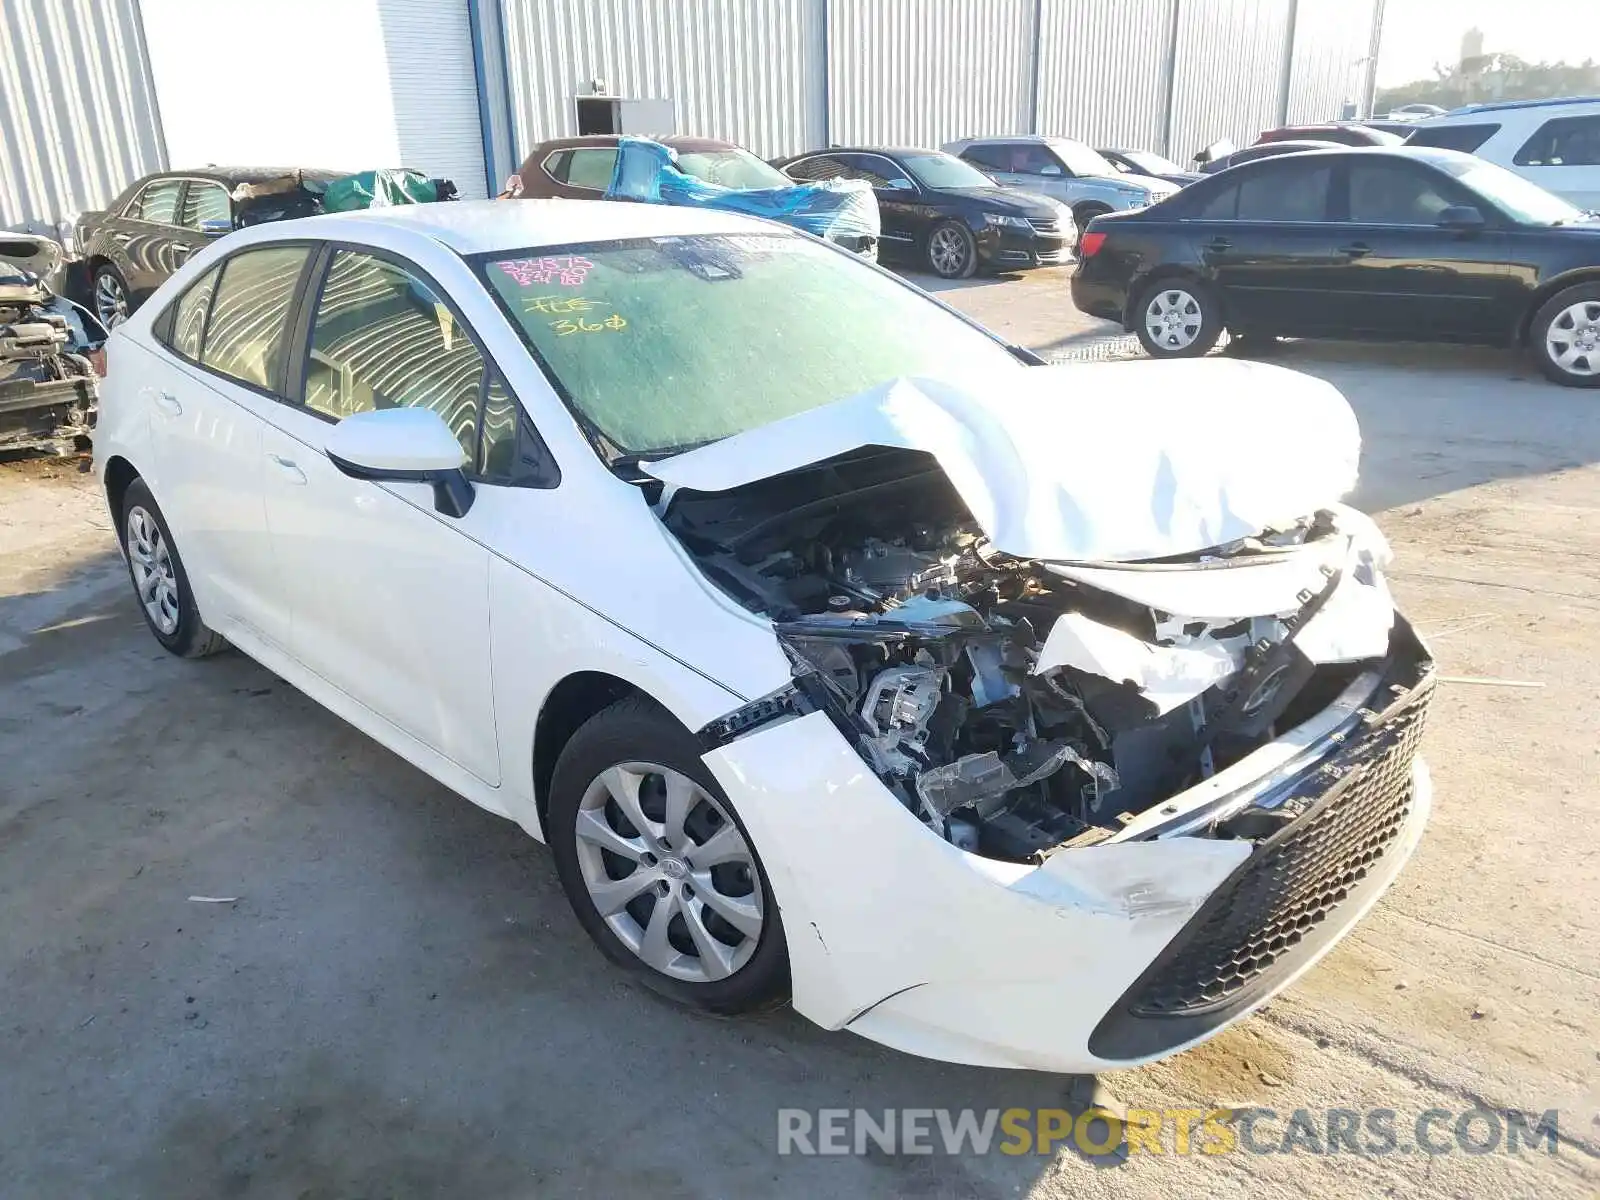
(149, 231)
(937, 212)
(1392, 243)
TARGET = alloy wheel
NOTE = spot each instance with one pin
(153, 576)
(669, 872)
(1573, 338)
(110, 300)
(948, 250)
(1173, 319)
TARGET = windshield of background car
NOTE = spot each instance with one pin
(944, 171)
(731, 169)
(663, 344)
(1517, 197)
(1082, 160)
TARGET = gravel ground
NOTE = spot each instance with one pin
(399, 1003)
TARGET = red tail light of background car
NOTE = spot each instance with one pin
(1089, 244)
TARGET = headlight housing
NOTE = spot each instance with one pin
(1003, 221)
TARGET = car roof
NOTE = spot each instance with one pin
(1467, 110)
(245, 174)
(890, 151)
(677, 141)
(485, 226)
(1433, 154)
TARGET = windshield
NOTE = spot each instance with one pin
(733, 168)
(662, 344)
(1517, 197)
(1081, 160)
(937, 170)
(1151, 164)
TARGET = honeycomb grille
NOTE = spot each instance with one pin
(1359, 801)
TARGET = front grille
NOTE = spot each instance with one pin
(1356, 805)
(1045, 225)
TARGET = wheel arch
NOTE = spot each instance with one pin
(1546, 291)
(118, 477)
(571, 702)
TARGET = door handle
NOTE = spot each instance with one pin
(290, 469)
(168, 403)
(1218, 245)
(1356, 249)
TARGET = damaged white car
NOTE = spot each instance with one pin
(1027, 716)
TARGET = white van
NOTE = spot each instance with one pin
(1554, 143)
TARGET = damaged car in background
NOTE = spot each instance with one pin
(50, 351)
(1030, 716)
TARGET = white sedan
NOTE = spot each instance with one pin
(1044, 717)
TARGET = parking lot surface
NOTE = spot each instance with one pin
(398, 1002)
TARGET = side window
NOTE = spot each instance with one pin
(990, 158)
(1465, 138)
(245, 338)
(823, 166)
(158, 203)
(875, 170)
(1387, 194)
(1286, 191)
(1223, 206)
(591, 168)
(204, 202)
(555, 165)
(1563, 142)
(1034, 160)
(189, 315)
(382, 339)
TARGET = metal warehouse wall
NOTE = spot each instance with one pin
(1332, 63)
(1228, 80)
(78, 117)
(1103, 70)
(923, 72)
(749, 71)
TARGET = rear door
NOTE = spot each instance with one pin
(1405, 277)
(228, 341)
(1267, 241)
(144, 241)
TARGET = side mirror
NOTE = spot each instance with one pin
(901, 185)
(1050, 169)
(1463, 218)
(216, 227)
(404, 445)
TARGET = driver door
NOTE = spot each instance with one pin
(388, 598)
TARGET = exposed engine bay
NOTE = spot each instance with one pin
(47, 381)
(1017, 706)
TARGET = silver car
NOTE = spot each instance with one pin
(1077, 175)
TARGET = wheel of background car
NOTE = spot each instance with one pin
(1177, 318)
(1082, 214)
(111, 302)
(160, 584)
(1565, 336)
(657, 866)
(952, 254)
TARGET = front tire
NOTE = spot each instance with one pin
(1177, 318)
(160, 583)
(658, 867)
(1565, 337)
(952, 251)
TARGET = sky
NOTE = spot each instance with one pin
(1419, 33)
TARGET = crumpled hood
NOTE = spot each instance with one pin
(1106, 462)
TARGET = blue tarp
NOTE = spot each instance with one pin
(835, 209)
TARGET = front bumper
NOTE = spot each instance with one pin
(1014, 250)
(46, 415)
(1103, 956)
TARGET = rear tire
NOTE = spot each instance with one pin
(113, 303)
(719, 944)
(1565, 337)
(160, 583)
(1177, 318)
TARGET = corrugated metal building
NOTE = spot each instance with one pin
(97, 92)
